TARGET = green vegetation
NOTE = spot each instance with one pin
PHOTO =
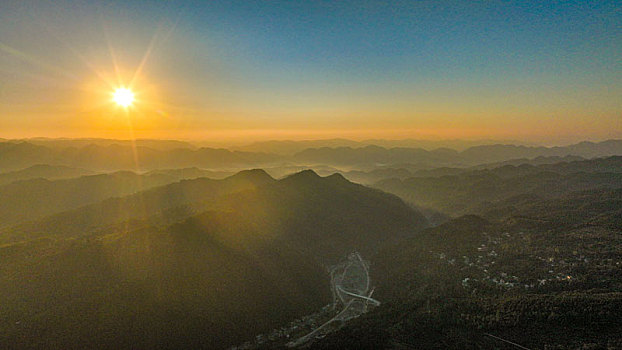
(540, 272)
(468, 258)
(202, 263)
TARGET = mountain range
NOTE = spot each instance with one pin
(143, 156)
(189, 260)
(500, 244)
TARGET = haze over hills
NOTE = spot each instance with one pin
(109, 156)
(35, 198)
(289, 147)
(42, 190)
(246, 252)
(403, 171)
(162, 145)
(124, 157)
(192, 253)
(462, 193)
(375, 155)
(43, 171)
(543, 256)
(140, 203)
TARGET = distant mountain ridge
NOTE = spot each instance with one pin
(554, 163)
(81, 142)
(290, 147)
(44, 171)
(114, 156)
(36, 196)
(466, 192)
(111, 157)
(376, 155)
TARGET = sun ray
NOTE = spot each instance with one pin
(80, 57)
(113, 56)
(150, 48)
(34, 61)
(143, 60)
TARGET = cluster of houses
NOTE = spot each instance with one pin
(483, 266)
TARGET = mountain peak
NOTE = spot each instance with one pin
(304, 176)
(337, 177)
(257, 176)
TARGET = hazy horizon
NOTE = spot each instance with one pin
(427, 143)
(310, 174)
(251, 70)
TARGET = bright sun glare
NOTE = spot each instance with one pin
(123, 97)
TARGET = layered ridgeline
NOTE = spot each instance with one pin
(194, 264)
(539, 266)
(145, 155)
(418, 158)
(42, 171)
(482, 191)
(123, 156)
(43, 190)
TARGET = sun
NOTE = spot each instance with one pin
(123, 97)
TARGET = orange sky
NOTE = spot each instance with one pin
(229, 75)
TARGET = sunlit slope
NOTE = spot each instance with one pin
(350, 213)
(257, 249)
(29, 200)
(162, 205)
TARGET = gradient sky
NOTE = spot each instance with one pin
(544, 71)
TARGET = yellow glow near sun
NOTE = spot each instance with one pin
(123, 97)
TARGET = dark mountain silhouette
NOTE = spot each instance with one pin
(256, 249)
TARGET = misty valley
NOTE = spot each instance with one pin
(333, 244)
